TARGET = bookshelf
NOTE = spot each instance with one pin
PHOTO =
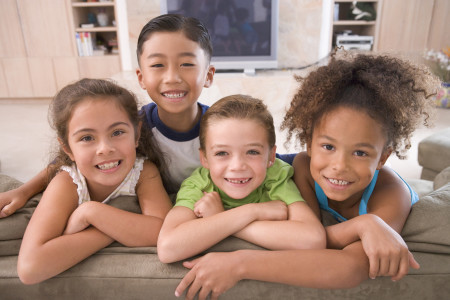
(98, 20)
(95, 37)
(341, 21)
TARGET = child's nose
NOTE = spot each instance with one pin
(339, 162)
(105, 146)
(237, 163)
(172, 74)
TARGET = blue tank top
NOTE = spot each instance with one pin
(323, 200)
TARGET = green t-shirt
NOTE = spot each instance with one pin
(278, 185)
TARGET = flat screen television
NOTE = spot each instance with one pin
(244, 33)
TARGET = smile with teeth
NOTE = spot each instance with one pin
(338, 182)
(174, 95)
(108, 166)
(238, 181)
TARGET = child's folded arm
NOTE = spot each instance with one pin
(379, 229)
(184, 235)
(302, 230)
(45, 252)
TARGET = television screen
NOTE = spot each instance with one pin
(243, 32)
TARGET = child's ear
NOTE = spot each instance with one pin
(272, 156)
(66, 149)
(203, 159)
(138, 133)
(209, 76)
(140, 78)
(384, 156)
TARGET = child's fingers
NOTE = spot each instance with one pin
(407, 262)
(193, 289)
(374, 266)
(185, 282)
(402, 269)
(412, 261)
(190, 264)
(394, 264)
(7, 210)
(203, 294)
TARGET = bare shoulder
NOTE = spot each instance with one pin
(59, 200)
(301, 159)
(389, 181)
(302, 173)
(391, 198)
(61, 184)
(149, 171)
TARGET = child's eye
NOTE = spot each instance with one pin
(253, 152)
(328, 147)
(86, 138)
(118, 132)
(187, 65)
(360, 153)
(221, 153)
(157, 66)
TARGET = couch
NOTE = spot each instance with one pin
(434, 153)
(118, 272)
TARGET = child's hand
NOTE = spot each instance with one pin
(11, 201)
(387, 251)
(275, 210)
(77, 221)
(210, 204)
(213, 273)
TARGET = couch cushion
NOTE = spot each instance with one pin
(13, 227)
(434, 153)
(428, 225)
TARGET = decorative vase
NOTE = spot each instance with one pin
(443, 96)
(102, 18)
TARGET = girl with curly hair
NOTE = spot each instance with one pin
(351, 114)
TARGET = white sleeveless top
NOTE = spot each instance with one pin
(126, 188)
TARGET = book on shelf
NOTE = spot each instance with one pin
(85, 44)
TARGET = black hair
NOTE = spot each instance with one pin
(191, 27)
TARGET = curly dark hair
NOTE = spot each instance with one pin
(393, 91)
(65, 101)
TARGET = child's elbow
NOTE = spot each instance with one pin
(28, 273)
(166, 252)
(316, 239)
(355, 274)
(318, 242)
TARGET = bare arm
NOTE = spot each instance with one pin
(344, 267)
(302, 230)
(217, 272)
(378, 230)
(45, 251)
(184, 235)
(128, 228)
(13, 200)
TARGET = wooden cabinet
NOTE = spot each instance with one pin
(341, 22)
(38, 51)
(406, 25)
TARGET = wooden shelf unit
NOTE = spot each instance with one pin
(108, 63)
(84, 12)
(365, 28)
